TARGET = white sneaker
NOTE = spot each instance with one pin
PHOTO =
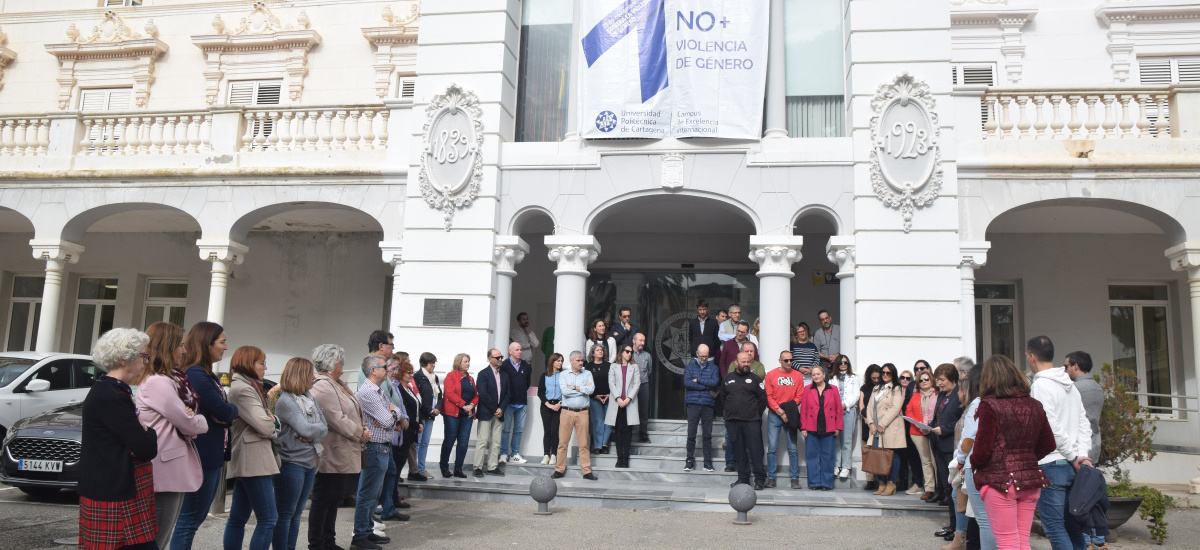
(845, 473)
(553, 459)
(545, 459)
(504, 459)
(378, 526)
(517, 459)
(379, 533)
(838, 472)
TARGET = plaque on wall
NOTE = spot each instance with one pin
(906, 160)
(443, 312)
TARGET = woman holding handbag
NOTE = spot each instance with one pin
(886, 425)
(167, 403)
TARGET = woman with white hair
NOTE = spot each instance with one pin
(116, 482)
(341, 460)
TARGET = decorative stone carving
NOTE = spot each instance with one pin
(451, 155)
(101, 58)
(56, 250)
(573, 258)
(841, 251)
(395, 49)
(906, 160)
(974, 255)
(222, 250)
(6, 56)
(1007, 21)
(775, 255)
(265, 48)
(509, 252)
(672, 172)
(1184, 256)
(393, 253)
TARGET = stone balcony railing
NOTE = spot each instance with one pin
(344, 138)
(1110, 128)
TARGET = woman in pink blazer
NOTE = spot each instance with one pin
(820, 422)
(167, 403)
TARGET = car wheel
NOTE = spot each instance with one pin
(39, 491)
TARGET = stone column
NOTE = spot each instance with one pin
(393, 255)
(572, 133)
(509, 252)
(840, 251)
(774, 256)
(224, 254)
(1184, 257)
(572, 254)
(776, 111)
(57, 254)
(974, 256)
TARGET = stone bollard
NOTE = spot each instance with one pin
(543, 489)
(742, 498)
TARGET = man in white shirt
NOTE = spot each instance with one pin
(1053, 387)
(525, 335)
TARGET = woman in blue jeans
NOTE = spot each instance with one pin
(848, 386)
(205, 345)
(301, 426)
(253, 462)
(460, 401)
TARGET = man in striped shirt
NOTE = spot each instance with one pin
(382, 418)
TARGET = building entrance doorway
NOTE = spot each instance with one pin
(661, 303)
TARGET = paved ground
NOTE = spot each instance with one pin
(27, 524)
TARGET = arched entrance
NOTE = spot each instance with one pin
(661, 255)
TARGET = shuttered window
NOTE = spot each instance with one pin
(408, 88)
(1168, 70)
(255, 92)
(975, 74)
(119, 3)
(100, 100)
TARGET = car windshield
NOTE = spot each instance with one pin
(11, 369)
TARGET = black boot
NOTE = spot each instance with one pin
(871, 486)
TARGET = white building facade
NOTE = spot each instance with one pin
(251, 163)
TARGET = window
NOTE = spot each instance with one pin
(816, 74)
(543, 87)
(57, 373)
(968, 74)
(26, 311)
(408, 87)
(1169, 70)
(995, 320)
(253, 93)
(95, 310)
(99, 100)
(1141, 340)
(165, 301)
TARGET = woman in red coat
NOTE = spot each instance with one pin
(460, 400)
(1013, 435)
(820, 422)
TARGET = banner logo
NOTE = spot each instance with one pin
(606, 121)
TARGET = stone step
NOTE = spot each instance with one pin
(618, 492)
(680, 426)
(604, 467)
(680, 438)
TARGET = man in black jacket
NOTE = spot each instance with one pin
(493, 389)
(745, 400)
(702, 330)
(519, 374)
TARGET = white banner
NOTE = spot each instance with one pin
(683, 68)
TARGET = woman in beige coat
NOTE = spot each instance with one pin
(253, 459)
(341, 457)
(624, 379)
(885, 420)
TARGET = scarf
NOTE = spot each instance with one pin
(308, 406)
(186, 392)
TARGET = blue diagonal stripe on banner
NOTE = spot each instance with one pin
(648, 17)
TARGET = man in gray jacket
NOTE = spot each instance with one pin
(1079, 368)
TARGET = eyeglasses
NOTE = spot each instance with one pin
(145, 357)
(923, 380)
(907, 378)
(495, 357)
(922, 368)
(626, 351)
(847, 363)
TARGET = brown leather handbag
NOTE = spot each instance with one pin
(876, 460)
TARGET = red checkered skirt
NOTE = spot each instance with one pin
(108, 525)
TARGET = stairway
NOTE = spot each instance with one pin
(656, 480)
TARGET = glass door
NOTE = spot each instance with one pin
(662, 303)
(1141, 340)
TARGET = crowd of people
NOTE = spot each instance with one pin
(161, 433)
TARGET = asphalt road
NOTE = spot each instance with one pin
(29, 524)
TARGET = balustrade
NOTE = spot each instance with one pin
(348, 128)
(24, 137)
(149, 134)
(1077, 113)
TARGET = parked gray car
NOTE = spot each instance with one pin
(41, 453)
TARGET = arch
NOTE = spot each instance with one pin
(527, 215)
(606, 209)
(246, 222)
(74, 229)
(13, 221)
(819, 211)
(1174, 231)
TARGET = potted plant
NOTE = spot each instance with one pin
(1126, 432)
